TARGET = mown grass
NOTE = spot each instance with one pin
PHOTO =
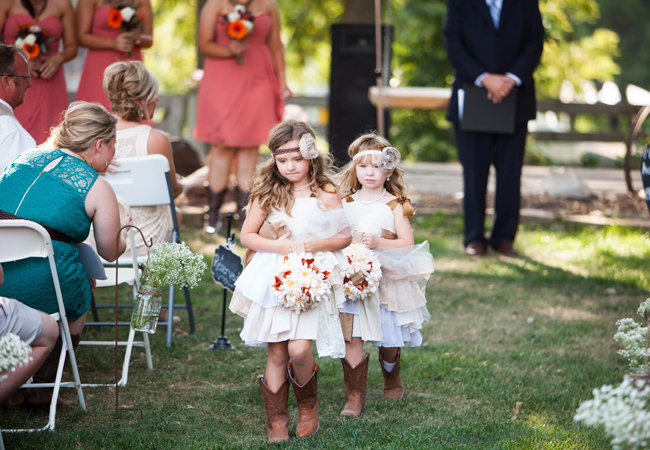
(534, 331)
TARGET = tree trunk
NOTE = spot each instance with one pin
(359, 11)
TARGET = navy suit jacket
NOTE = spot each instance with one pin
(474, 46)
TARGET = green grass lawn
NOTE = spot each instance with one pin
(513, 346)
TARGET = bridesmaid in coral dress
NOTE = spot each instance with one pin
(48, 97)
(107, 45)
(238, 104)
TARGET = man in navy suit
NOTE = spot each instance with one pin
(495, 44)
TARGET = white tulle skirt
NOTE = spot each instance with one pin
(266, 320)
(400, 299)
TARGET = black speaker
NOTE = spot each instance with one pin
(352, 74)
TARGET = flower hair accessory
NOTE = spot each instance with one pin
(389, 157)
(306, 147)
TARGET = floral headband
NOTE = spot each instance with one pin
(389, 157)
(306, 147)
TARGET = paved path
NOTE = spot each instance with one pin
(447, 178)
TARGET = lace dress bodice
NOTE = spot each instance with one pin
(55, 198)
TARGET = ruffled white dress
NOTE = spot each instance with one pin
(265, 319)
(405, 272)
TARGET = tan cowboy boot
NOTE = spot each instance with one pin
(307, 398)
(355, 387)
(393, 387)
(276, 405)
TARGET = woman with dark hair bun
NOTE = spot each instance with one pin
(48, 96)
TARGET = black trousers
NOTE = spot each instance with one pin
(477, 151)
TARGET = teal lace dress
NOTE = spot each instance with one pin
(55, 199)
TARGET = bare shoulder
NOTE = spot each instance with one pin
(63, 6)
(159, 137)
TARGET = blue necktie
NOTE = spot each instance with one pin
(495, 12)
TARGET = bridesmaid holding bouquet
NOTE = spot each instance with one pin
(38, 26)
(242, 93)
(112, 30)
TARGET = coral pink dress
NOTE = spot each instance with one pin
(239, 104)
(90, 85)
(46, 99)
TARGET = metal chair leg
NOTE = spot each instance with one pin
(188, 304)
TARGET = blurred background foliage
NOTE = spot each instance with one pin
(580, 46)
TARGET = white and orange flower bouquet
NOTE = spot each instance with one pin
(362, 276)
(126, 18)
(301, 282)
(34, 40)
(239, 24)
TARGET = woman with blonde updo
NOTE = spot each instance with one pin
(133, 92)
(58, 186)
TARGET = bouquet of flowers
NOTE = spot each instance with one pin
(34, 40)
(635, 338)
(126, 18)
(239, 24)
(13, 353)
(172, 263)
(623, 411)
(362, 276)
(300, 283)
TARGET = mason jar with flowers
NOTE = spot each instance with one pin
(168, 264)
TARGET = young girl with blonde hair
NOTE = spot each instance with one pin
(293, 206)
(378, 209)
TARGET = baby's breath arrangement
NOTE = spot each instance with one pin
(623, 411)
(13, 353)
(172, 263)
(635, 338)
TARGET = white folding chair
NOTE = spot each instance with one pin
(21, 239)
(145, 181)
(125, 275)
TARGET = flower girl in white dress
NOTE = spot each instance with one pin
(378, 211)
(293, 207)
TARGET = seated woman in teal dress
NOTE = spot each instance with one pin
(58, 187)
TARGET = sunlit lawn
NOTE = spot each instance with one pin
(534, 331)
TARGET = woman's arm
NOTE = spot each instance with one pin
(331, 201)
(206, 38)
(85, 13)
(70, 45)
(101, 207)
(158, 144)
(5, 6)
(144, 38)
(251, 239)
(402, 228)
(277, 50)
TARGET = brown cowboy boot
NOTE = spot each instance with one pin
(307, 398)
(42, 397)
(393, 387)
(242, 201)
(215, 200)
(276, 405)
(355, 387)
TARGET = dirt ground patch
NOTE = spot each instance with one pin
(608, 205)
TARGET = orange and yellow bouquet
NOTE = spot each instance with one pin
(34, 40)
(239, 24)
(126, 18)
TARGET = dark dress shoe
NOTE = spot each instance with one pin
(506, 248)
(475, 248)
